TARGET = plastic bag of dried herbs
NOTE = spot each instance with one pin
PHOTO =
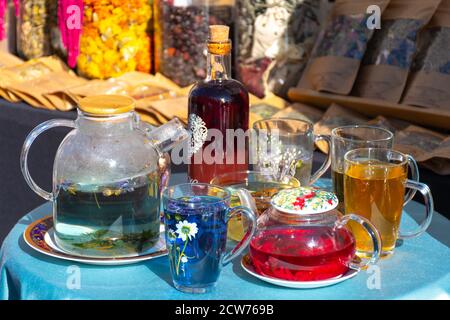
(275, 37)
(340, 47)
(429, 81)
(390, 53)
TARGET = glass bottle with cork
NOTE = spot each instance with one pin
(218, 115)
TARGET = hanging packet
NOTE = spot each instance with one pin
(340, 47)
(390, 53)
(429, 81)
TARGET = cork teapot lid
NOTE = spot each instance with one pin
(304, 200)
(106, 104)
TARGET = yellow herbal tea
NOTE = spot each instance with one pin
(375, 190)
(262, 192)
(338, 188)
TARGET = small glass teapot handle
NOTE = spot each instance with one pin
(373, 233)
(26, 148)
(251, 229)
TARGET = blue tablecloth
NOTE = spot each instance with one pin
(419, 269)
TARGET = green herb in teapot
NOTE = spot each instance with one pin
(117, 219)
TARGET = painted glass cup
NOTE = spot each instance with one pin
(262, 186)
(285, 147)
(374, 187)
(196, 218)
(346, 138)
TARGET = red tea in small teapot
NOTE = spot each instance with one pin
(303, 254)
(302, 237)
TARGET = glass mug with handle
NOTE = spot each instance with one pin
(374, 187)
(346, 138)
(196, 218)
(285, 147)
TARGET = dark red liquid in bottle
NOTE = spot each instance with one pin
(222, 105)
(218, 115)
(311, 254)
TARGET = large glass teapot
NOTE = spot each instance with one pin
(302, 237)
(107, 177)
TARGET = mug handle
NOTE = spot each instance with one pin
(414, 177)
(26, 148)
(251, 228)
(327, 161)
(373, 233)
(429, 209)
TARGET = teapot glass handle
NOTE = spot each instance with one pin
(248, 208)
(251, 229)
(26, 148)
(374, 235)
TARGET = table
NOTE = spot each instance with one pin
(419, 269)
(16, 198)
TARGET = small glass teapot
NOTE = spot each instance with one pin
(302, 237)
(107, 177)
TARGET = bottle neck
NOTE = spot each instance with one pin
(219, 61)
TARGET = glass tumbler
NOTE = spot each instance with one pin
(285, 147)
(196, 218)
(346, 138)
(374, 187)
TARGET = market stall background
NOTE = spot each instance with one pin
(277, 44)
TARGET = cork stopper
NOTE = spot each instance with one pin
(219, 33)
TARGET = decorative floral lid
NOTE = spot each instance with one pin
(304, 200)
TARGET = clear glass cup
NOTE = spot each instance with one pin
(196, 218)
(374, 187)
(285, 147)
(262, 186)
(346, 138)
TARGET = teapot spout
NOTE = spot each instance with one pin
(168, 136)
